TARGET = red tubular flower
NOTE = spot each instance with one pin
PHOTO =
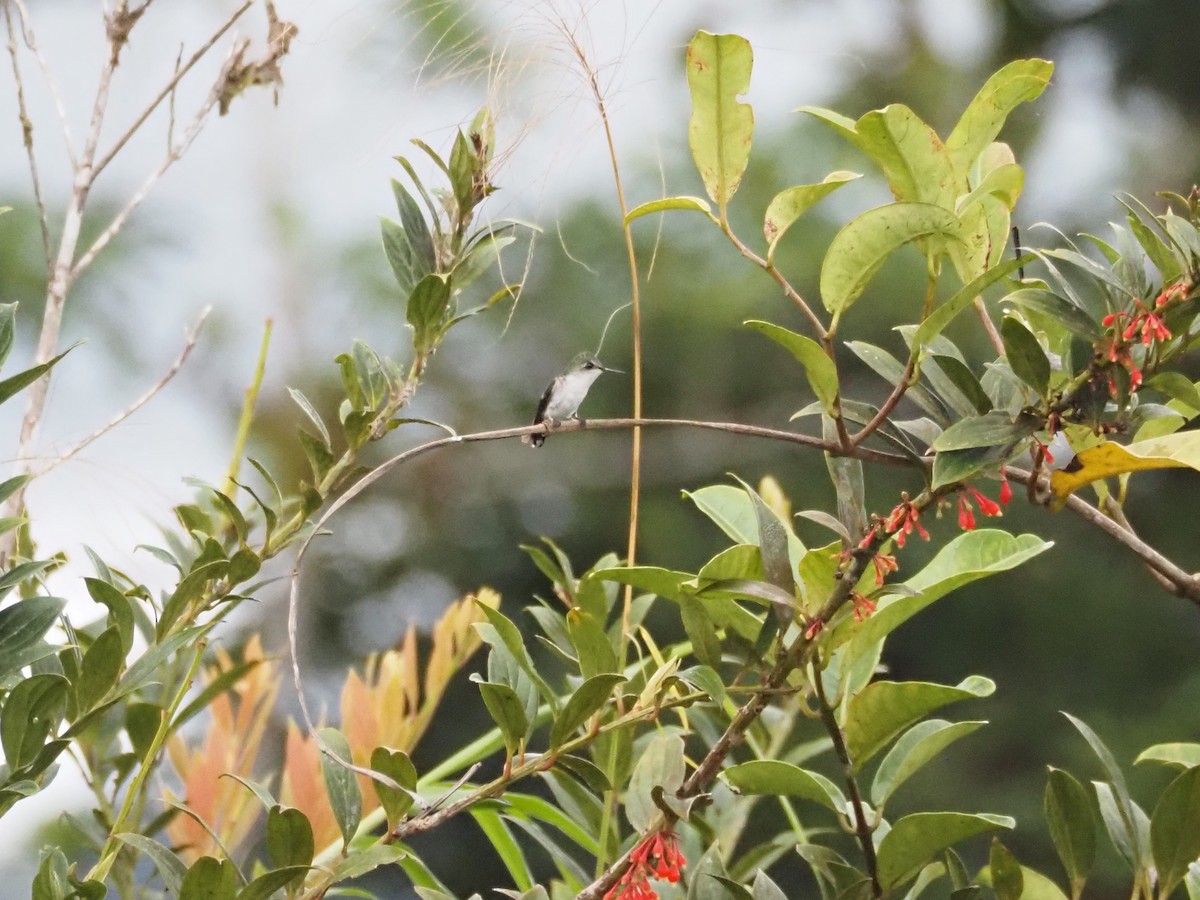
(987, 505)
(884, 565)
(814, 628)
(1005, 487)
(863, 606)
(903, 519)
(966, 515)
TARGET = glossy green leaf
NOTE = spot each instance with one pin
(695, 204)
(32, 711)
(778, 778)
(268, 884)
(22, 627)
(397, 766)
(501, 839)
(1183, 755)
(20, 381)
(1018, 82)
(289, 837)
(721, 127)
(341, 784)
(210, 879)
(914, 840)
(996, 429)
(919, 745)
(660, 765)
(427, 308)
(859, 250)
(1128, 827)
(101, 667)
(170, 867)
(1175, 830)
(944, 314)
(818, 367)
(733, 512)
(789, 205)
(700, 630)
(953, 466)
(1063, 312)
(360, 862)
(1025, 354)
(1004, 872)
(1072, 823)
(891, 370)
(592, 646)
(587, 699)
(885, 708)
(507, 711)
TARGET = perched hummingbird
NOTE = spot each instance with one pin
(561, 400)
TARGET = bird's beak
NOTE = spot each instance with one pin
(614, 371)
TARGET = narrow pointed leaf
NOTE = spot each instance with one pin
(818, 367)
(582, 705)
(1072, 824)
(341, 784)
(1175, 830)
(695, 204)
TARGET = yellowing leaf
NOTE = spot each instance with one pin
(720, 128)
(1172, 451)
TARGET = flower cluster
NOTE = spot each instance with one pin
(1142, 325)
(966, 512)
(863, 606)
(657, 856)
(903, 519)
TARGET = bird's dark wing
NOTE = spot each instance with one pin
(540, 415)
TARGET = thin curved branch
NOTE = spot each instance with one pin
(1179, 582)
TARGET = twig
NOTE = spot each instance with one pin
(169, 89)
(120, 417)
(247, 416)
(51, 85)
(27, 137)
(888, 405)
(1183, 584)
(989, 326)
(862, 830)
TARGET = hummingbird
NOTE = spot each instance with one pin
(561, 400)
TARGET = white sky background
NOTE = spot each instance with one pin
(345, 109)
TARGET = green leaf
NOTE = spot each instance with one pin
(919, 745)
(396, 765)
(1018, 82)
(1124, 829)
(885, 708)
(21, 573)
(1175, 830)
(700, 630)
(1072, 826)
(1025, 355)
(289, 837)
(1035, 885)
(859, 250)
(360, 862)
(953, 466)
(427, 308)
(268, 884)
(696, 204)
(210, 879)
(101, 667)
(1114, 774)
(773, 544)
(416, 232)
(1177, 754)
(505, 845)
(888, 368)
(464, 166)
(1060, 310)
(22, 627)
(510, 636)
(120, 609)
(149, 664)
(1004, 872)
(508, 712)
(32, 711)
(818, 367)
(10, 386)
(341, 784)
(914, 840)
(720, 128)
(592, 647)
(170, 867)
(8, 323)
(733, 512)
(778, 778)
(52, 881)
(660, 765)
(937, 320)
(789, 205)
(996, 429)
(962, 380)
(313, 415)
(766, 889)
(588, 698)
